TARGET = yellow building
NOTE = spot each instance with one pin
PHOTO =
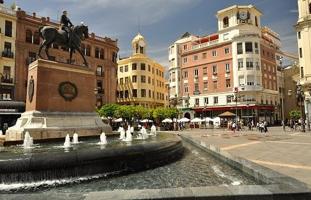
(7, 51)
(140, 79)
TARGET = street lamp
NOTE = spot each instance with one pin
(300, 97)
(282, 97)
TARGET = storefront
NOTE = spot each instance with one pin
(10, 111)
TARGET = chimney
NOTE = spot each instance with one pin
(34, 14)
(48, 19)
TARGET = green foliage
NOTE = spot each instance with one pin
(295, 114)
(108, 110)
(128, 112)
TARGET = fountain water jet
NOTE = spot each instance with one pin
(67, 141)
(153, 130)
(28, 140)
(103, 139)
(75, 138)
(128, 135)
(122, 133)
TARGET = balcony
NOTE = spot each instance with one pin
(8, 54)
(6, 80)
(196, 92)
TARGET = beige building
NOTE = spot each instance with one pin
(140, 79)
(303, 28)
(7, 50)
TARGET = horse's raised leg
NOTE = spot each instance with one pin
(79, 50)
(47, 47)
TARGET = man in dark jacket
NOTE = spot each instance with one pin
(66, 25)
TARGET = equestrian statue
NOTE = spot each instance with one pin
(68, 37)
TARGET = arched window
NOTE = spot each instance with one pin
(88, 50)
(226, 22)
(256, 21)
(28, 36)
(36, 38)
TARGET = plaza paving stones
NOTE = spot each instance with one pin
(286, 152)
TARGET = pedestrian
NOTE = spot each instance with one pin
(265, 125)
(233, 127)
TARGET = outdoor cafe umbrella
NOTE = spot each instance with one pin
(118, 120)
(196, 120)
(146, 120)
(184, 120)
(167, 120)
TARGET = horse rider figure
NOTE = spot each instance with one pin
(65, 22)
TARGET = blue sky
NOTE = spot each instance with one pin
(162, 21)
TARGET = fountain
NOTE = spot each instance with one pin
(67, 141)
(28, 140)
(122, 133)
(143, 132)
(103, 139)
(75, 138)
(153, 130)
(128, 135)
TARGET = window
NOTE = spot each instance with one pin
(126, 94)
(299, 35)
(121, 69)
(99, 70)
(225, 22)
(214, 53)
(250, 80)
(134, 66)
(114, 57)
(215, 84)
(143, 66)
(185, 74)
(204, 55)
(240, 48)
(143, 79)
(185, 60)
(97, 52)
(204, 71)
(256, 48)
(257, 65)
(205, 100)
(196, 87)
(185, 47)
(215, 100)
(126, 79)
(256, 21)
(229, 98)
(99, 85)
(195, 57)
(205, 85)
(149, 68)
(240, 63)
(88, 50)
(121, 94)
(309, 8)
(196, 73)
(134, 79)
(121, 80)
(126, 68)
(149, 93)
(249, 64)
(28, 36)
(241, 81)
(149, 80)
(227, 67)
(143, 92)
(134, 92)
(157, 72)
(248, 47)
(228, 83)
(152, 70)
(186, 88)
(227, 50)
(214, 69)
(6, 73)
(8, 28)
(197, 101)
(300, 52)
(102, 54)
(301, 72)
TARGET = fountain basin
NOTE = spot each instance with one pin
(76, 162)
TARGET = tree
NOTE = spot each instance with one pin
(295, 114)
(108, 110)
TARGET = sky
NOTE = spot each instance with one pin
(162, 22)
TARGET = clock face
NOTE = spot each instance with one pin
(243, 15)
(141, 43)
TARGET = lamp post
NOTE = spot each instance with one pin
(300, 96)
(282, 97)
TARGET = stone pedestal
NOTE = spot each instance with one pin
(60, 101)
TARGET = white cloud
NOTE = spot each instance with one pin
(293, 11)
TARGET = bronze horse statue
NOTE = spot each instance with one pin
(52, 35)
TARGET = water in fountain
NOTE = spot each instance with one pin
(28, 140)
(103, 138)
(122, 133)
(75, 139)
(143, 134)
(67, 141)
(1, 133)
(153, 130)
(128, 135)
